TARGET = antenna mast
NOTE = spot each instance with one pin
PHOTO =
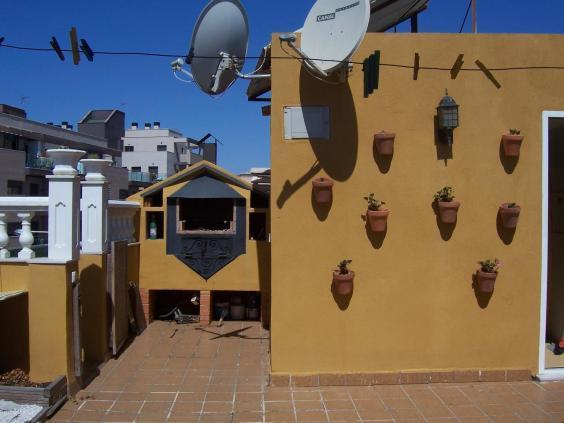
(474, 18)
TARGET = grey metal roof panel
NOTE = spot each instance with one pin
(385, 14)
(206, 187)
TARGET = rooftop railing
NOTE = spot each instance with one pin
(147, 177)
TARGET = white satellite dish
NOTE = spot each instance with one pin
(333, 31)
(218, 47)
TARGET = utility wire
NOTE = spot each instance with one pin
(392, 65)
(465, 16)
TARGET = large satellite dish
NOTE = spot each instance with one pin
(218, 47)
(332, 33)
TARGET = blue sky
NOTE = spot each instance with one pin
(144, 88)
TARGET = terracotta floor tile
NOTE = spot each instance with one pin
(88, 416)
(405, 413)
(153, 417)
(216, 418)
(466, 411)
(435, 411)
(278, 406)
(246, 417)
(248, 406)
(183, 417)
(190, 396)
(279, 416)
(113, 416)
(187, 407)
(343, 416)
(156, 407)
(398, 403)
(95, 405)
(306, 395)
(335, 395)
(218, 407)
(219, 396)
(127, 406)
(311, 416)
(308, 405)
(374, 414)
(339, 405)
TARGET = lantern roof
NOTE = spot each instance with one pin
(447, 101)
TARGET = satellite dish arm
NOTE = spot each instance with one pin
(251, 75)
(290, 39)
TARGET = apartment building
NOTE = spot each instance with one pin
(23, 142)
(153, 153)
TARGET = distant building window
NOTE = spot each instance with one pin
(161, 147)
(34, 190)
(136, 169)
(154, 171)
(15, 188)
(129, 148)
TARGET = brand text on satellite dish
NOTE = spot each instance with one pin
(331, 16)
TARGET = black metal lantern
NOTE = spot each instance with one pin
(447, 114)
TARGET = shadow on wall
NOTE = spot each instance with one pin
(509, 163)
(375, 238)
(383, 162)
(343, 301)
(444, 149)
(337, 156)
(264, 260)
(321, 210)
(446, 229)
(14, 331)
(505, 234)
(483, 298)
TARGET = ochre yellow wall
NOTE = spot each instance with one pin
(50, 322)
(94, 317)
(165, 272)
(13, 276)
(413, 306)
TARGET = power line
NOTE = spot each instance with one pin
(392, 65)
(465, 16)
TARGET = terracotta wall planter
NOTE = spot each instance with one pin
(509, 215)
(512, 144)
(343, 283)
(448, 211)
(377, 220)
(385, 143)
(485, 281)
(322, 190)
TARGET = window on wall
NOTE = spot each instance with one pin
(129, 148)
(34, 190)
(136, 168)
(154, 171)
(15, 188)
(161, 147)
(206, 215)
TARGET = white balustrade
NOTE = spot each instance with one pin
(26, 236)
(121, 221)
(4, 238)
(19, 210)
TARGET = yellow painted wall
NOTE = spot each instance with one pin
(13, 276)
(50, 322)
(165, 272)
(94, 318)
(413, 306)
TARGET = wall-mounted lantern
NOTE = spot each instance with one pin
(447, 114)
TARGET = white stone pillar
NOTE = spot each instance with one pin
(64, 204)
(94, 206)
(4, 238)
(26, 237)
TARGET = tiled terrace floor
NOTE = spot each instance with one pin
(184, 374)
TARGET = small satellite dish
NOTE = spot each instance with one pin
(333, 31)
(218, 47)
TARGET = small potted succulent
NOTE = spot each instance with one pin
(343, 278)
(448, 208)
(384, 143)
(512, 143)
(322, 190)
(487, 274)
(377, 214)
(509, 213)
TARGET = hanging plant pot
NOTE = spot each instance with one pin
(485, 281)
(385, 143)
(509, 215)
(343, 284)
(322, 190)
(512, 144)
(377, 220)
(448, 211)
